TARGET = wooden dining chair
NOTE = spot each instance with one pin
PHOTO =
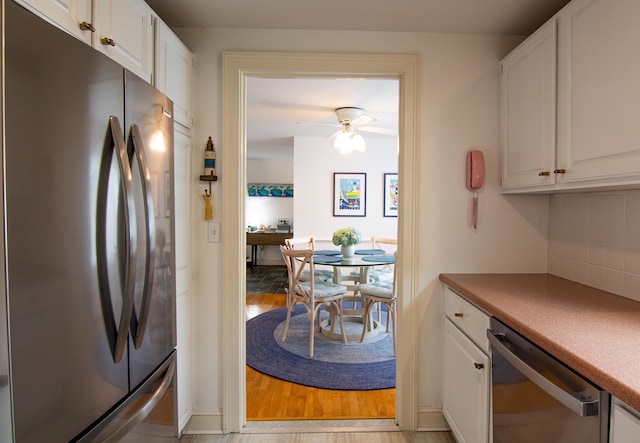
(308, 243)
(312, 294)
(384, 292)
(384, 273)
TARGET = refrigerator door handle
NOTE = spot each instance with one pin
(139, 323)
(144, 410)
(117, 336)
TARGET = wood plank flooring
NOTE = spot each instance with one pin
(272, 399)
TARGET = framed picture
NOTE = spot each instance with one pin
(349, 194)
(390, 195)
(270, 190)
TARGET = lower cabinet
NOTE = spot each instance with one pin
(625, 423)
(467, 374)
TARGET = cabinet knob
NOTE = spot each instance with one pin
(478, 366)
(107, 41)
(458, 314)
(560, 171)
(87, 27)
(544, 173)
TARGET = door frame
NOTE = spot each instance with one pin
(237, 67)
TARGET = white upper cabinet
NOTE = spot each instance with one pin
(74, 16)
(528, 111)
(599, 92)
(173, 72)
(124, 32)
(121, 29)
(596, 142)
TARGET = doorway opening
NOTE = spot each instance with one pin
(237, 68)
(291, 127)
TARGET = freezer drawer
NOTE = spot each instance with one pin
(148, 415)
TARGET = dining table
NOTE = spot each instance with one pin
(362, 262)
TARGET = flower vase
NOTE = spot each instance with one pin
(348, 250)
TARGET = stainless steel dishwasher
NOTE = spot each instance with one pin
(536, 398)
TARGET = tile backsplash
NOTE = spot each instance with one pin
(594, 239)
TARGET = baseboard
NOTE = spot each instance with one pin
(204, 422)
(430, 418)
(315, 426)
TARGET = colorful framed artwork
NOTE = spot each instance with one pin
(390, 195)
(270, 190)
(349, 194)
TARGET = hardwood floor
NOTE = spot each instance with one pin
(316, 413)
(269, 398)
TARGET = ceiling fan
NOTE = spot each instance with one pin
(351, 121)
(354, 120)
(358, 118)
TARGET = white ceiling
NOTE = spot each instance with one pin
(279, 109)
(511, 17)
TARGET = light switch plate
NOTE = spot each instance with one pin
(213, 232)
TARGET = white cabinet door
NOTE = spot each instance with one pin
(74, 16)
(599, 92)
(625, 424)
(124, 32)
(528, 111)
(183, 148)
(173, 72)
(466, 387)
(121, 29)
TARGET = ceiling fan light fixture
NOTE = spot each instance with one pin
(349, 140)
(343, 143)
(358, 142)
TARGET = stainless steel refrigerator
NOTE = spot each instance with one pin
(88, 173)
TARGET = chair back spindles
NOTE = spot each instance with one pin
(312, 293)
(383, 292)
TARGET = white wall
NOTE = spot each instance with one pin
(459, 111)
(268, 210)
(315, 161)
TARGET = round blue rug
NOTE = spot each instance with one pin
(335, 365)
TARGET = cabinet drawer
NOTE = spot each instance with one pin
(471, 320)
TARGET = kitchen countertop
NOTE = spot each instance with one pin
(594, 332)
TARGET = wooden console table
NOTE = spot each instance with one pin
(264, 238)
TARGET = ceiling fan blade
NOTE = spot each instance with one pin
(375, 130)
(336, 133)
(363, 120)
(319, 124)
